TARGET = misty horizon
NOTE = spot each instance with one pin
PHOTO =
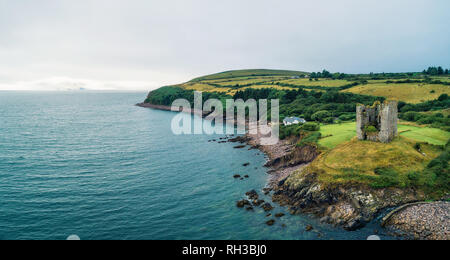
(143, 45)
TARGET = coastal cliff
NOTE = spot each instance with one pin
(349, 206)
(346, 182)
(295, 184)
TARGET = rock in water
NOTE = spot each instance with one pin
(242, 203)
(258, 202)
(309, 228)
(253, 195)
(270, 222)
(267, 207)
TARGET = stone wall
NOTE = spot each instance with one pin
(380, 118)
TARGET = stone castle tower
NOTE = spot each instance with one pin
(378, 122)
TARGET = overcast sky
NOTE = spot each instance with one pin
(144, 44)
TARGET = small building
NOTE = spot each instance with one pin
(293, 121)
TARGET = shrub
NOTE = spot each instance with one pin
(310, 138)
(347, 117)
(387, 178)
(328, 120)
(287, 131)
(443, 97)
(310, 126)
(425, 120)
(321, 115)
(371, 129)
(417, 146)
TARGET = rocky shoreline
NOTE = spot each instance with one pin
(168, 108)
(349, 207)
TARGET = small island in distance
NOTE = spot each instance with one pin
(321, 168)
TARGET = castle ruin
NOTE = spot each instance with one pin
(378, 122)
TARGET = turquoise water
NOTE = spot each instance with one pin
(95, 165)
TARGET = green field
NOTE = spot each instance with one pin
(317, 83)
(250, 73)
(424, 134)
(411, 93)
(415, 159)
(335, 134)
(231, 81)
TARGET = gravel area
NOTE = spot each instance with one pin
(429, 221)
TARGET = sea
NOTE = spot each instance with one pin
(94, 165)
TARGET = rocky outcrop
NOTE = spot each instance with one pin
(350, 207)
(299, 155)
(424, 221)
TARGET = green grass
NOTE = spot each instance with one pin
(319, 83)
(411, 93)
(335, 134)
(424, 134)
(375, 164)
(250, 73)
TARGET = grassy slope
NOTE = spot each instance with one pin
(346, 160)
(229, 81)
(357, 161)
(250, 73)
(344, 132)
(320, 83)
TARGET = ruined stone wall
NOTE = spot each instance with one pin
(381, 118)
(388, 121)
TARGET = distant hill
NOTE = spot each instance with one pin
(250, 73)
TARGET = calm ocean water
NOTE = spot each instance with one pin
(94, 165)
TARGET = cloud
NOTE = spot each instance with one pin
(105, 42)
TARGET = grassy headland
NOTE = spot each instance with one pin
(417, 159)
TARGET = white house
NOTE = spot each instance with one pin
(293, 121)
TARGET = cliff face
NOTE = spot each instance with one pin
(299, 155)
(348, 206)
